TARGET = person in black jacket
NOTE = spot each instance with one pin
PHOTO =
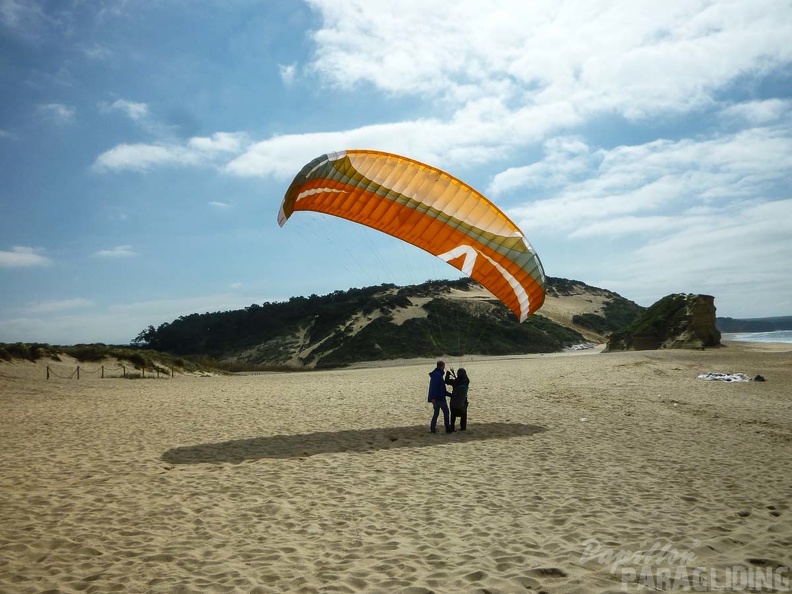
(460, 384)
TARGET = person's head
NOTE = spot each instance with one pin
(461, 373)
(441, 364)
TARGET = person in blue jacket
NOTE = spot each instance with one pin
(437, 396)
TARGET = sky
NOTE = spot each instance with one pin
(145, 148)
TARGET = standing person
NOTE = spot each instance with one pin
(437, 396)
(460, 384)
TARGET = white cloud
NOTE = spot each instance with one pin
(598, 56)
(23, 257)
(137, 112)
(97, 52)
(478, 134)
(758, 112)
(627, 225)
(220, 142)
(710, 215)
(120, 251)
(58, 305)
(193, 152)
(282, 156)
(23, 17)
(595, 187)
(141, 157)
(221, 205)
(511, 76)
(140, 114)
(287, 73)
(728, 254)
(57, 112)
(565, 159)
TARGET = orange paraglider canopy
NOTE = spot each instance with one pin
(428, 208)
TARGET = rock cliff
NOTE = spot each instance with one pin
(678, 321)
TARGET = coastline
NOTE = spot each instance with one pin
(761, 347)
(329, 480)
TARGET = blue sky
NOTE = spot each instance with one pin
(145, 147)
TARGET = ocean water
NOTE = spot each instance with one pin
(776, 336)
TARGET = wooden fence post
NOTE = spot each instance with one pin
(47, 371)
(78, 372)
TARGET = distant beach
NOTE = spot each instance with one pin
(580, 472)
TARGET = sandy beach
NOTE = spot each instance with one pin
(577, 472)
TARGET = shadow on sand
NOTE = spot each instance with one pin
(330, 442)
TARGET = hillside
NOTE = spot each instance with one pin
(755, 324)
(388, 322)
(592, 311)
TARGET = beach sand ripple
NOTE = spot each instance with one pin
(331, 481)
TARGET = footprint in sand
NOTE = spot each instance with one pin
(548, 572)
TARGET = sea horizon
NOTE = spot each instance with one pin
(774, 336)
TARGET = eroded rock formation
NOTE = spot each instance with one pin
(678, 321)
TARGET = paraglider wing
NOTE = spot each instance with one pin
(428, 208)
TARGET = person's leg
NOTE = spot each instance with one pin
(433, 424)
(453, 419)
(463, 418)
(444, 406)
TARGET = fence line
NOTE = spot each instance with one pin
(101, 370)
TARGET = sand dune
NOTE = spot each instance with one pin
(330, 481)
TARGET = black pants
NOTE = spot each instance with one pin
(461, 415)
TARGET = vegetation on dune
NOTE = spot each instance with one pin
(616, 315)
(91, 353)
(450, 328)
(662, 318)
(561, 287)
(217, 333)
(344, 327)
(26, 351)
